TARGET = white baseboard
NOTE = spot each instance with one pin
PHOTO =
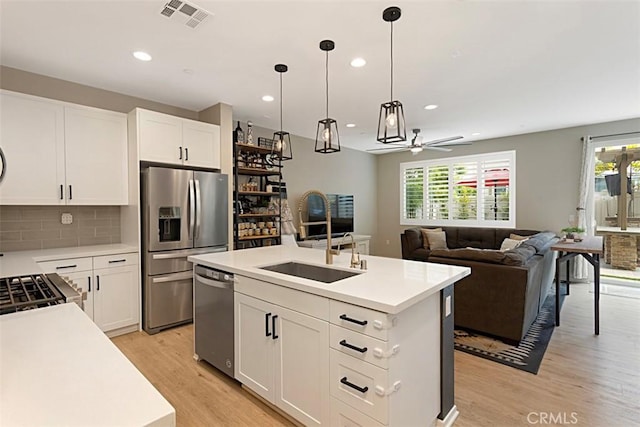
(450, 418)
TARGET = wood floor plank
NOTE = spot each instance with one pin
(595, 379)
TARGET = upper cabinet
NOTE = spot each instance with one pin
(59, 153)
(172, 140)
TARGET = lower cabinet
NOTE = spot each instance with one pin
(111, 283)
(283, 356)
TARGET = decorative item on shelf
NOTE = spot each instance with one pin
(250, 133)
(391, 123)
(327, 138)
(282, 140)
(265, 142)
(238, 134)
(574, 234)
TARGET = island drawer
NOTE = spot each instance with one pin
(360, 346)
(343, 415)
(361, 319)
(360, 385)
(118, 260)
(66, 266)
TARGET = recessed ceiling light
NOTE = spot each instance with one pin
(430, 107)
(351, 125)
(142, 56)
(475, 134)
(358, 62)
(267, 98)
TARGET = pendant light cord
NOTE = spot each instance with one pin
(391, 61)
(281, 106)
(326, 74)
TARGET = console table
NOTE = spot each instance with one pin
(361, 241)
(590, 248)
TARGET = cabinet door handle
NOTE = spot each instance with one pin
(356, 321)
(353, 386)
(98, 283)
(70, 192)
(186, 153)
(61, 192)
(266, 325)
(89, 280)
(273, 326)
(180, 156)
(116, 260)
(344, 343)
(66, 266)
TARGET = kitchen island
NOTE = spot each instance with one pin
(365, 350)
(58, 368)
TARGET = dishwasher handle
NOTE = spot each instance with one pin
(214, 283)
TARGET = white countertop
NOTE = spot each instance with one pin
(58, 368)
(389, 285)
(25, 262)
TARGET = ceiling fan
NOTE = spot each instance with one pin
(417, 144)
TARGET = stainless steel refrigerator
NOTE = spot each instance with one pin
(184, 212)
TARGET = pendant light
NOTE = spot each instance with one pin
(281, 148)
(327, 139)
(391, 124)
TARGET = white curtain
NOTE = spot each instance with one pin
(585, 209)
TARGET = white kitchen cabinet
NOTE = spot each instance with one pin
(111, 283)
(95, 157)
(282, 355)
(173, 140)
(32, 138)
(59, 153)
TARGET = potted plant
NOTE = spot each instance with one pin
(573, 233)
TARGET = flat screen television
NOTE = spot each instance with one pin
(341, 215)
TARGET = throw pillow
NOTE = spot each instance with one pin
(509, 243)
(518, 237)
(425, 238)
(437, 239)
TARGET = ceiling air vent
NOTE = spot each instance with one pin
(190, 14)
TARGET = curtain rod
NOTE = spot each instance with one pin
(613, 134)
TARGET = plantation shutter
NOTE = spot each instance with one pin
(464, 205)
(495, 195)
(413, 193)
(437, 204)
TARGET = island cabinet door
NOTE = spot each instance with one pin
(115, 297)
(302, 367)
(254, 344)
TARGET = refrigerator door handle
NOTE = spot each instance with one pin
(199, 208)
(192, 209)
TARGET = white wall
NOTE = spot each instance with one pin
(547, 178)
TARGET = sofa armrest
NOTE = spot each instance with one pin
(410, 240)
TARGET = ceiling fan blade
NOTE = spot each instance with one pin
(389, 148)
(443, 140)
(431, 147)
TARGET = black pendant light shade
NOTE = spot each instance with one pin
(327, 138)
(391, 123)
(281, 148)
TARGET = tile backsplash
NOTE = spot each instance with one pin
(40, 227)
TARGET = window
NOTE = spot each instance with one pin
(476, 190)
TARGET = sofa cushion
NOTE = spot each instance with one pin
(482, 238)
(517, 257)
(508, 244)
(541, 241)
(425, 236)
(518, 237)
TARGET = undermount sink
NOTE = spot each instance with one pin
(311, 272)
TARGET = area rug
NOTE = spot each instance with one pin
(526, 356)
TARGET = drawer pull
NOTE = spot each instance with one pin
(356, 321)
(116, 260)
(66, 266)
(344, 343)
(353, 386)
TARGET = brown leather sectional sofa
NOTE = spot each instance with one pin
(505, 291)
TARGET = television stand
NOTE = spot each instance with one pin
(361, 241)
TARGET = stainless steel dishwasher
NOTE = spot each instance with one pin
(213, 317)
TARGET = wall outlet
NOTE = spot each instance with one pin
(67, 218)
(447, 306)
(387, 242)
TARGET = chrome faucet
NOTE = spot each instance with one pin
(330, 252)
(355, 256)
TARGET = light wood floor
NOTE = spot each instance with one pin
(592, 379)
